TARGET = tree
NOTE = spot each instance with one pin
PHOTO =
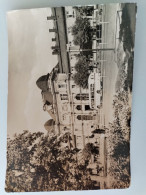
(84, 10)
(19, 152)
(118, 138)
(89, 150)
(121, 150)
(82, 72)
(38, 162)
(82, 32)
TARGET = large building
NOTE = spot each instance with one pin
(71, 108)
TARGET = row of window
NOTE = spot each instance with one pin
(64, 96)
(83, 96)
(85, 117)
(78, 107)
(79, 117)
(64, 86)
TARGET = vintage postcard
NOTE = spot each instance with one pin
(69, 97)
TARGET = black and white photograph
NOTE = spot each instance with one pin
(69, 97)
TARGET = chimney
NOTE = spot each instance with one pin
(51, 17)
(53, 30)
(53, 39)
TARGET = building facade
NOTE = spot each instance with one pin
(70, 106)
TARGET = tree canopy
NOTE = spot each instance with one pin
(84, 10)
(82, 72)
(38, 162)
(82, 32)
(89, 150)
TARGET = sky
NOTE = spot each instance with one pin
(30, 57)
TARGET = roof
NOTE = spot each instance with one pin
(42, 82)
(49, 125)
(47, 97)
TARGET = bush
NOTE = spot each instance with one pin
(121, 150)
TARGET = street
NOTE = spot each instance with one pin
(109, 72)
(109, 69)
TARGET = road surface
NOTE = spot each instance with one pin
(109, 69)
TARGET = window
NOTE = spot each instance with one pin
(85, 117)
(92, 103)
(92, 87)
(64, 96)
(73, 86)
(83, 96)
(87, 107)
(65, 128)
(92, 94)
(99, 27)
(79, 107)
(64, 117)
(61, 86)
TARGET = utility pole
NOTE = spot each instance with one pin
(86, 50)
